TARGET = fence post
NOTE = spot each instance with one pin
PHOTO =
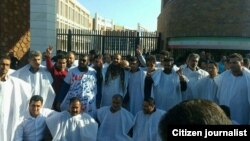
(103, 42)
(159, 48)
(69, 40)
(137, 40)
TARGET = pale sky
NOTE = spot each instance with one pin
(126, 13)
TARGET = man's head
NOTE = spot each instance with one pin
(236, 63)
(125, 65)
(92, 54)
(163, 54)
(117, 59)
(75, 106)
(83, 61)
(148, 105)
(107, 58)
(61, 61)
(4, 65)
(35, 105)
(193, 60)
(116, 102)
(212, 69)
(193, 112)
(168, 63)
(151, 62)
(133, 63)
(98, 63)
(71, 58)
(35, 59)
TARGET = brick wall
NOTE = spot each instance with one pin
(15, 27)
(181, 18)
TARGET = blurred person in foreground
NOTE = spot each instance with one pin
(193, 112)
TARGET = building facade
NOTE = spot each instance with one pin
(72, 15)
(213, 24)
(101, 23)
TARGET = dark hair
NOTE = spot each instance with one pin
(151, 58)
(133, 59)
(93, 52)
(164, 53)
(167, 59)
(236, 55)
(117, 96)
(83, 55)
(74, 99)
(98, 56)
(150, 100)
(61, 56)
(193, 112)
(5, 56)
(36, 98)
(212, 62)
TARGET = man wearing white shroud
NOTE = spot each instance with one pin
(72, 125)
(38, 77)
(14, 97)
(206, 88)
(146, 122)
(234, 89)
(115, 121)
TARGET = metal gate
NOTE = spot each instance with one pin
(123, 42)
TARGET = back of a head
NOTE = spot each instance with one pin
(193, 112)
(197, 112)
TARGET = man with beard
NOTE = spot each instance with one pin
(115, 81)
(115, 122)
(234, 89)
(80, 82)
(73, 124)
(170, 86)
(147, 121)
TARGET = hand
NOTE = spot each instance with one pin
(138, 50)
(180, 74)
(49, 51)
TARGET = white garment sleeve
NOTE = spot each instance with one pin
(68, 77)
(142, 60)
(19, 133)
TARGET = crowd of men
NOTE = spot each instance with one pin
(110, 98)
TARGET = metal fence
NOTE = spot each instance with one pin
(123, 42)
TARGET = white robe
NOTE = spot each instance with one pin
(113, 87)
(82, 85)
(14, 99)
(64, 127)
(114, 126)
(146, 126)
(206, 88)
(193, 77)
(234, 92)
(168, 91)
(40, 83)
(32, 128)
(136, 91)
